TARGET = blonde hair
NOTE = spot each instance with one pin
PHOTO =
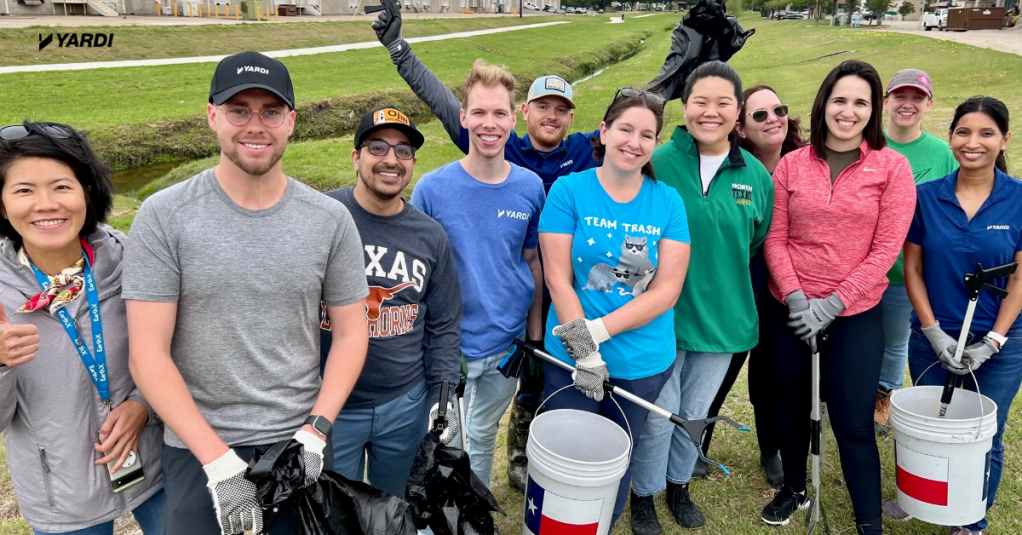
(489, 76)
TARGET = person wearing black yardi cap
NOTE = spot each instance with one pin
(223, 279)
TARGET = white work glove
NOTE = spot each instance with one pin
(312, 452)
(581, 338)
(234, 497)
(589, 376)
(450, 422)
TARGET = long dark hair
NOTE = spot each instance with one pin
(873, 134)
(792, 141)
(639, 100)
(72, 151)
(992, 108)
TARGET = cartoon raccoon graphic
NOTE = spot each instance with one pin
(634, 270)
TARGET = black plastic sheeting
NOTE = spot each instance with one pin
(446, 496)
(704, 34)
(333, 505)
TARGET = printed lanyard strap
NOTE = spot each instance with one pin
(96, 365)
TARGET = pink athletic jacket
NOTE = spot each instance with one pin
(842, 237)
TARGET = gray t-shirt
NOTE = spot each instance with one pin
(248, 285)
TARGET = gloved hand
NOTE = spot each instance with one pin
(388, 25)
(234, 497)
(821, 312)
(944, 346)
(450, 422)
(313, 447)
(797, 302)
(976, 354)
(589, 376)
(581, 338)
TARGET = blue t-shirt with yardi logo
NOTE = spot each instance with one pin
(614, 257)
(488, 226)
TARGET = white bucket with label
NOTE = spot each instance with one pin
(576, 462)
(943, 464)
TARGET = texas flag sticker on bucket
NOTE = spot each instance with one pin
(922, 477)
(549, 514)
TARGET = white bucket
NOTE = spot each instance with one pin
(943, 464)
(576, 461)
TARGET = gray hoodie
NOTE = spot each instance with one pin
(50, 412)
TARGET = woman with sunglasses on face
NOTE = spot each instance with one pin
(61, 312)
(842, 208)
(764, 129)
(969, 217)
(728, 195)
(615, 250)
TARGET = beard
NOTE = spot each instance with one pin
(373, 186)
(551, 139)
(252, 168)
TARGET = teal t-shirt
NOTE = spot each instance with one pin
(614, 256)
(930, 158)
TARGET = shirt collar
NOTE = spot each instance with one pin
(526, 146)
(686, 141)
(999, 193)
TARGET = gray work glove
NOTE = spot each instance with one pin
(797, 302)
(589, 376)
(581, 338)
(944, 346)
(234, 497)
(388, 26)
(450, 422)
(821, 312)
(312, 452)
(976, 354)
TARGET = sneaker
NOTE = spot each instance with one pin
(961, 530)
(882, 412)
(699, 472)
(893, 510)
(686, 513)
(643, 516)
(785, 503)
(774, 470)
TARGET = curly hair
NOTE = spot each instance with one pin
(793, 140)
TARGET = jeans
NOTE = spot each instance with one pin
(849, 371)
(999, 380)
(647, 388)
(897, 314)
(148, 514)
(487, 396)
(665, 450)
(389, 435)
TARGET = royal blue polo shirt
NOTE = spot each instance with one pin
(574, 154)
(953, 245)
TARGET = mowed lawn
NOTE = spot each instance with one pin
(792, 56)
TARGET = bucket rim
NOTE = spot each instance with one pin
(983, 400)
(546, 451)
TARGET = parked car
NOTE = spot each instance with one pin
(561, 11)
(571, 11)
(530, 5)
(778, 14)
(937, 19)
(581, 10)
(600, 11)
(550, 9)
(791, 15)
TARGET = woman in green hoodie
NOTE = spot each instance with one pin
(729, 197)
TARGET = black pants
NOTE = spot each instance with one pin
(849, 371)
(762, 394)
(189, 508)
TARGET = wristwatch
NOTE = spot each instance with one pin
(320, 424)
(1001, 340)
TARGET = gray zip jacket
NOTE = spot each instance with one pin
(50, 412)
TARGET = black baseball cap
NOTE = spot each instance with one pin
(387, 117)
(250, 70)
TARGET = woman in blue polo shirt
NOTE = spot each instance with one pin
(970, 216)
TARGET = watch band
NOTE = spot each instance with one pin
(320, 424)
(1001, 340)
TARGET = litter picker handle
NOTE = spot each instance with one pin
(388, 5)
(440, 424)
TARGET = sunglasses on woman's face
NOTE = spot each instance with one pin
(761, 115)
(17, 131)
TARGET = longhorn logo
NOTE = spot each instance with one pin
(379, 294)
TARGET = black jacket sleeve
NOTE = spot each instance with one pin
(442, 339)
(430, 90)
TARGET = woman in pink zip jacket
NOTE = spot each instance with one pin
(842, 208)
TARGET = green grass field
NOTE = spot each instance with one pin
(792, 56)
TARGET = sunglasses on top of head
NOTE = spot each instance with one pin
(627, 92)
(17, 131)
(761, 115)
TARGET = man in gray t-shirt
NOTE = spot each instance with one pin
(224, 274)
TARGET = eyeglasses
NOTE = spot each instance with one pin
(627, 92)
(17, 131)
(380, 148)
(271, 118)
(761, 115)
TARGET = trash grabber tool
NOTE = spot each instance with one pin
(389, 5)
(816, 513)
(975, 282)
(460, 393)
(511, 366)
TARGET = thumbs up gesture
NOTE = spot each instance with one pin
(18, 343)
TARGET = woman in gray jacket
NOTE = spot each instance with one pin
(68, 406)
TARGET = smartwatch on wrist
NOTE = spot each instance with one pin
(1001, 340)
(320, 424)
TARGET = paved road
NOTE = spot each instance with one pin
(1006, 40)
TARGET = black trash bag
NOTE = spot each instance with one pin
(333, 505)
(446, 495)
(704, 34)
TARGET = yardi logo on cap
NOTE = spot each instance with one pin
(249, 68)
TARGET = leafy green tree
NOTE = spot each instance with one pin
(906, 9)
(878, 7)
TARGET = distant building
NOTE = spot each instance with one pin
(115, 8)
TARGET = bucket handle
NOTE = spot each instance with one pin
(631, 438)
(978, 393)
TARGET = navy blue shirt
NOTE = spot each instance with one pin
(574, 154)
(953, 245)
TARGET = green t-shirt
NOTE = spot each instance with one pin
(930, 159)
